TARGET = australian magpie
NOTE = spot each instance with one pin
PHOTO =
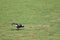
(18, 25)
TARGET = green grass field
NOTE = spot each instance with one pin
(40, 17)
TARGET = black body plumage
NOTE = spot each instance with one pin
(18, 25)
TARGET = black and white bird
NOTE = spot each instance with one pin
(18, 25)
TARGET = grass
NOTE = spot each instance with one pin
(40, 17)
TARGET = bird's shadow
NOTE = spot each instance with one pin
(16, 29)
